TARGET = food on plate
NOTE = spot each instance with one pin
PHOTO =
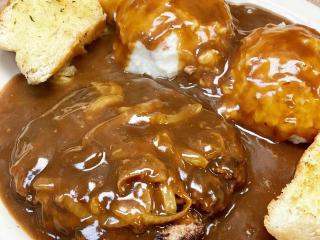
(113, 155)
(174, 35)
(274, 85)
(295, 215)
(142, 155)
(46, 35)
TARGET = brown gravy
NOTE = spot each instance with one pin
(204, 29)
(271, 165)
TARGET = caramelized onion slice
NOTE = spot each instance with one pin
(185, 113)
(193, 157)
(148, 169)
(108, 88)
(51, 215)
(112, 94)
(94, 206)
(129, 211)
(112, 124)
(133, 205)
(143, 194)
(103, 102)
(209, 143)
(164, 144)
(151, 219)
(44, 184)
(65, 75)
(168, 198)
(123, 109)
(137, 217)
(77, 209)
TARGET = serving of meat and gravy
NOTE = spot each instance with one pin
(180, 120)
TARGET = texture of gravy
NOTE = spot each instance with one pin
(271, 165)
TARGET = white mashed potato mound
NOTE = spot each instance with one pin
(162, 62)
(161, 38)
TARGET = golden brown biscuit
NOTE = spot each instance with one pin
(275, 80)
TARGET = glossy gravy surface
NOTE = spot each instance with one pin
(203, 28)
(270, 167)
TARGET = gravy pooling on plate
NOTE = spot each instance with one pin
(270, 165)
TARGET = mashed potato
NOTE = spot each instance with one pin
(162, 37)
(275, 86)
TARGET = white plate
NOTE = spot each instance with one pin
(298, 11)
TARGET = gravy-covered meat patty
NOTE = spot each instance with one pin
(162, 37)
(274, 85)
(127, 154)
